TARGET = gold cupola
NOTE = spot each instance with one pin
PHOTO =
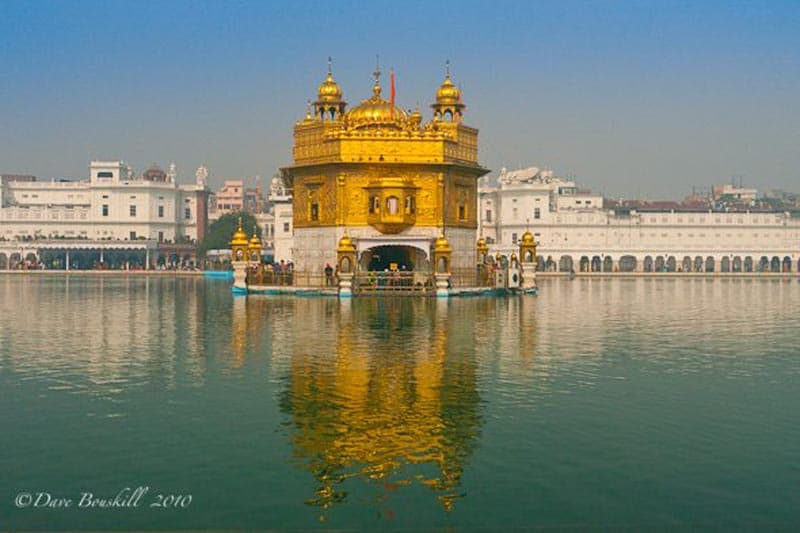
(441, 254)
(527, 248)
(330, 102)
(254, 247)
(346, 254)
(483, 249)
(527, 238)
(448, 106)
(239, 244)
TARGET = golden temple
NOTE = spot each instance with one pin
(389, 181)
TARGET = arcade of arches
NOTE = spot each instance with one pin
(88, 257)
(668, 263)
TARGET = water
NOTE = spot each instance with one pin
(634, 403)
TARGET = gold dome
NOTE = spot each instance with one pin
(329, 91)
(346, 244)
(441, 244)
(415, 118)
(239, 237)
(527, 238)
(255, 242)
(448, 93)
(376, 111)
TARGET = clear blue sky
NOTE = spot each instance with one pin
(638, 99)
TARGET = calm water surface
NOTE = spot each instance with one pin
(630, 403)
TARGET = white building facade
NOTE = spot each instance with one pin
(575, 231)
(276, 224)
(112, 205)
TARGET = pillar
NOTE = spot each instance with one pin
(67, 259)
(346, 261)
(239, 259)
(527, 254)
(441, 265)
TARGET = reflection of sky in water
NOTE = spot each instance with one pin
(470, 403)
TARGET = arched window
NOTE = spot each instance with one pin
(344, 266)
(441, 266)
(392, 205)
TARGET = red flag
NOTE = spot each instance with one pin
(391, 92)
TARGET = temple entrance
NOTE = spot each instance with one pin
(403, 258)
(393, 268)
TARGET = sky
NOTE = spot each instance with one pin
(634, 99)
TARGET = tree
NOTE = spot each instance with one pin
(221, 230)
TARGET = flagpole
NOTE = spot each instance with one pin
(391, 93)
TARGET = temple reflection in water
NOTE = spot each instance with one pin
(374, 390)
(394, 409)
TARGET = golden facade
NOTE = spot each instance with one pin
(379, 171)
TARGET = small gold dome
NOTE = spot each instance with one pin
(329, 91)
(239, 237)
(441, 244)
(527, 238)
(415, 118)
(255, 242)
(346, 244)
(308, 113)
(448, 93)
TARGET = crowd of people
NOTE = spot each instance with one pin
(276, 273)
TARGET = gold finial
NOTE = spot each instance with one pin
(330, 71)
(308, 109)
(447, 69)
(377, 87)
(240, 222)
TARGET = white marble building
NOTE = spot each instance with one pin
(575, 231)
(281, 202)
(113, 206)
